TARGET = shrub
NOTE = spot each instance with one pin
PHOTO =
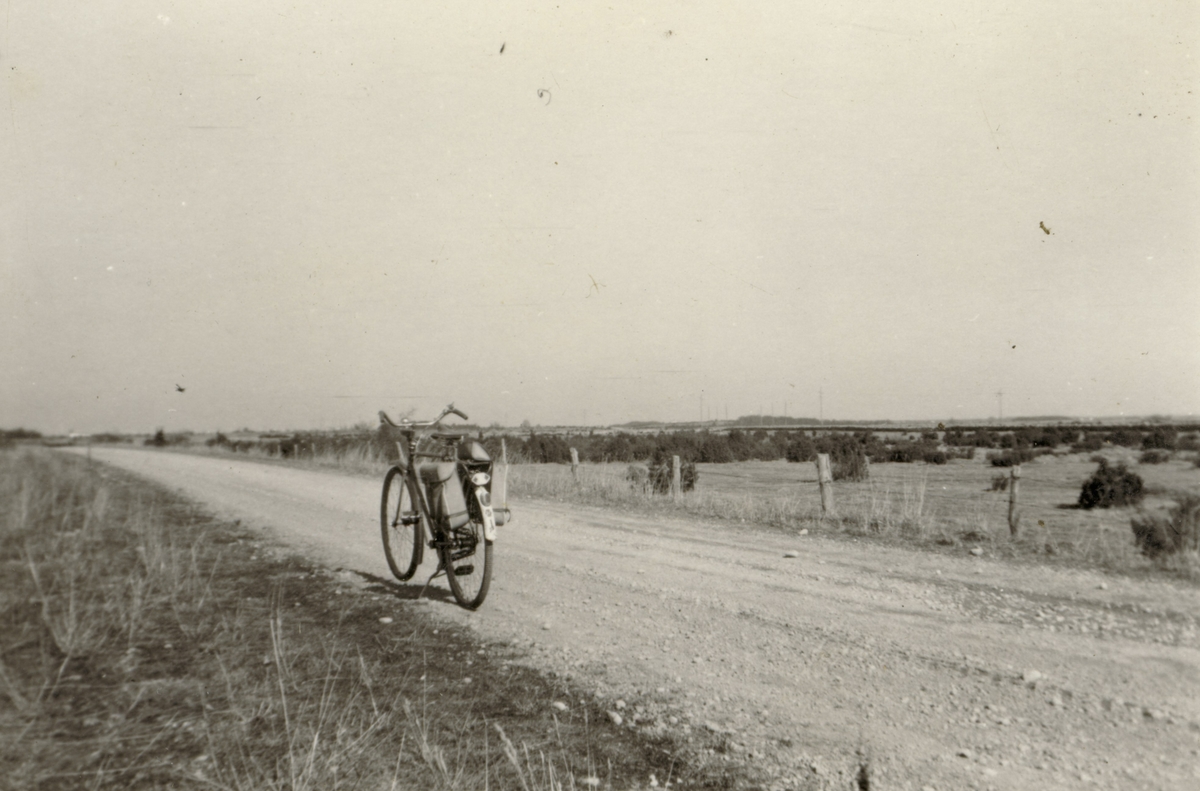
(1128, 437)
(1089, 444)
(1000, 483)
(849, 462)
(800, 448)
(716, 449)
(1161, 438)
(1011, 457)
(1111, 486)
(548, 449)
(158, 440)
(1157, 535)
(660, 476)
(935, 457)
(1154, 457)
(1188, 442)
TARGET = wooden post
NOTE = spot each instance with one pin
(825, 481)
(503, 451)
(1014, 512)
(676, 486)
(575, 464)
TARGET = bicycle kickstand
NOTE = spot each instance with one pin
(440, 570)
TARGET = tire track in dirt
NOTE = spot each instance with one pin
(921, 661)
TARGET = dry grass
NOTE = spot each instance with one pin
(144, 645)
(952, 505)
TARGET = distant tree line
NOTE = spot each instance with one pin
(846, 448)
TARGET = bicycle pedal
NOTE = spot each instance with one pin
(462, 571)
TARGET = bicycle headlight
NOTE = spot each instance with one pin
(480, 478)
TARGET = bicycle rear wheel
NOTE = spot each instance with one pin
(400, 523)
(467, 556)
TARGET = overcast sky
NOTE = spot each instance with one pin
(304, 212)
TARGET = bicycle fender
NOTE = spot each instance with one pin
(489, 517)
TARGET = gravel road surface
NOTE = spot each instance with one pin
(942, 672)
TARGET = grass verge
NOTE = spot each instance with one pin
(145, 645)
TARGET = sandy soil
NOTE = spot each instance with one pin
(944, 672)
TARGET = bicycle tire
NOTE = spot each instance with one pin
(467, 557)
(400, 524)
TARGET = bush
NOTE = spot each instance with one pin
(158, 440)
(660, 476)
(1011, 457)
(847, 454)
(800, 448)
(1089, 444)
(1157, 535)
(1111, 486)
(935, 457)
(1154, 457)
(1125, 436)
(1161, 438)
(716, 449)
(1000, 483)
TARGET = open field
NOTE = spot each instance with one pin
(950, 505)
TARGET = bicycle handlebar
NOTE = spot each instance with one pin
(414, 424)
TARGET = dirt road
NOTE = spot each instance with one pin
(944, 672)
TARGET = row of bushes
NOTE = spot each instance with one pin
(850, 451)
(1081, 441)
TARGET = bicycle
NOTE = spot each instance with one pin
(444, 504)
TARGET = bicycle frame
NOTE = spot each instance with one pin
(436, 526)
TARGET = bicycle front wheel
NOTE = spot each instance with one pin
(467, 556)
(400, 523)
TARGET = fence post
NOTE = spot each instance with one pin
(676, 488)
(1014, 512)
(825, 481)
(574, 464)
(503, 451)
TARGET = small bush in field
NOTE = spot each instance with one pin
(849, 463)
(1157, 535)
(801, 448)
(1127, 437)
(660, 476)
(935, 457)
(1089, 444)
(1154, 457)
(1011, 457)
(1000, 483)
(1112, 486)
(1187, 442)
(1161, 438)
